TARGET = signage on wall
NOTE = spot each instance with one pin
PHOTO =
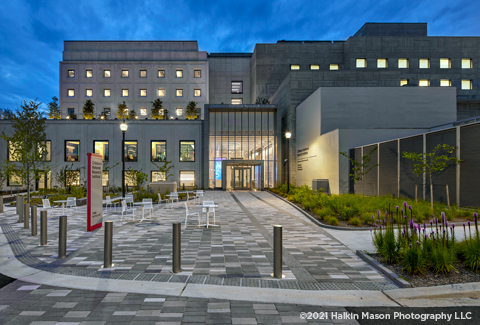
(301, 153)
(94, 191)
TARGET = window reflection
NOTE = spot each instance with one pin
(187, 151)
(101, 148)
(72, 150)
(159, 150)
(130, 150)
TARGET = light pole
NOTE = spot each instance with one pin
(124, 128)
(288, 135)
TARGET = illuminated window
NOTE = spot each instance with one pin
(157, 176)
(159, 151)
(445, 64)
(105, 178)
(334, 67)
(237, 101)
(72, 150)
(424, 63)
(143, 93)
(466, 84)
(47, 151)
(382, 63)
(294, 66)
(71, 73)
(179, 92)
(106, 93)
(424, 82)
(12, 155)
(70, 92)
(89, 73)
(161, 73)
(143, 73)
(197, 73)
(402, 63)
(403, 82)
(187, 178)
(197, 92)
(143, 111)
(161, 92)
(130, 150)
(361, 63)
(124, 92)
(124, 73)
(88, 92)
(179, 73)
(237, 87)
(467, 64)
(130, 178)
(179, 111)
(187, 151)
(314, 67)
(101, 148)
(445, 83)
(14, 179)
(107, 73)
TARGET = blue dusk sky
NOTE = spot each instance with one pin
(32, 32)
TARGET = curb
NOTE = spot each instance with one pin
(385, 271)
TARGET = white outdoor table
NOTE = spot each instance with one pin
(114, 202)
(207, 207)
(63, 205)
(143, 204)
(171, 198)
(203, 193)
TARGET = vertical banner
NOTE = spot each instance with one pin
(94, 191)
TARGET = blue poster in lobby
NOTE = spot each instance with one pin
(218, 169)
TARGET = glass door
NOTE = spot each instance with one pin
(243, 178)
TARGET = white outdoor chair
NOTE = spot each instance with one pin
(129, 199)
(47, 206)
(173, 196)
(160, 200)
(108, 201)
(198, 194)
(72, 203)
(204, 210)
(148, 206)
(126, 210)
(190, 214)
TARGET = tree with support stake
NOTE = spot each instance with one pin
(431, 163)
(361, 167)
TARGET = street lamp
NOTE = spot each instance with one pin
(123, 127)
(288, 135)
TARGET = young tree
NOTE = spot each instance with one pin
(133, 115)
(122, 111)
(88, 110)
(361, 167)
(53, 109)
(191, 111)
(67, 176)
(167, 165)
(156, 109)
(137, 178)
(28, 143)
(431, 163)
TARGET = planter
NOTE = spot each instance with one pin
(162, 187)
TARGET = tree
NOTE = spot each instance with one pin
(431, 163)
(165, 169)
(67, 176)
(133, 115)
(361, 167)
(6, 114)
(260, 101)
(7, 170)
(191, 111)
(137, 178)
(88, 110)
(28, 143)
(122, 111)
(53, 109)
(156, 109)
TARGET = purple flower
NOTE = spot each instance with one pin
(474, 214)
(410, 207)
(378, 214)
(410, 223)
(418, 243)
(370, 229)
(373, 217)
(397, 208)
(431, 222)
(404, 216)
(425, 236)
(380, 226)
(410, 245)
(468, 223)
(443, 216)
(453, 225)
(424, 225)
(401, 211)
(446, 223)
(436, 220)
(405, 205)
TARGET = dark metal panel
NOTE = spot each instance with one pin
(388, 168)
(370, 180)
(407, 177)
(470, 166)
(357, 185)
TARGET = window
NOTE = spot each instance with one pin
(107, 111)
(105, 178)
(197, 92)
(130, 150)
(12, 156)
(72, 150)
(402, 63)
(157, 176)
(294, 66)
(70, 92)
(179, 111)
(179, 73)
(107, 73)
(161, 73)
(334, 67)
(130, 177)
(161, 92)
(124, 73)
(445, 83)
(361, 63)
(187, 151)
(187, 178)
(314, 67)
(89, 73)
(424, 82)
(467, 64)
(403, 82)
(466, 84)
(47, 153)
(179, 93)
(237, 87)
(70, 110)
(14, 179)
(143, 111)
(237, 101)
(382, 63)
(72, 177)
(445, 64)
(124, 92)
(88, 92)
(159, 151)
(424, 63)
(143, 93)
(197, 73)
(106, 93)
(143, 73)
(101, 148)
(71, 73)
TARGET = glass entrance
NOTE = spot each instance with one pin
(242, 178)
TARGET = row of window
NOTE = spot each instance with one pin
(404, 63)
(125, 73)
(126, 92)
(465, 85)
(142, 111)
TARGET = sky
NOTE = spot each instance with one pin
(32, 32)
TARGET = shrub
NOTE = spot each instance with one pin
(366, 218)
(413, 260)
(471, 254)
(355, 222)
(77, 191)
(442, 259)
(322, 213)
(331, 220)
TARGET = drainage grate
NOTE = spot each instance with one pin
(307, 286)
(145, 277)
(234, 282)
(289, 284)
(214, 280)
(162, 277)
(179, 278)
(197, 279)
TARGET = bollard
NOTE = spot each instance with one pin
(43, 228)
(107, 250)
(26, 215)
(176, 247)
(277, 251)
(20, 208)
(1, 204)
(62, 237)
(33, 215)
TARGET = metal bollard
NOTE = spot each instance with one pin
(26, 215)
(33, 215)
(1, 204)
(177, 245)
(20, 208)
(277, 251)
(43, 228)
(107, 251)
(62, 237)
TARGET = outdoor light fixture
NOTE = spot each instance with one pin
(123, 128)
(68, 116)
(288, 135)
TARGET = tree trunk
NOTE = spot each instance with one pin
(28, 185)
(431, 193)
